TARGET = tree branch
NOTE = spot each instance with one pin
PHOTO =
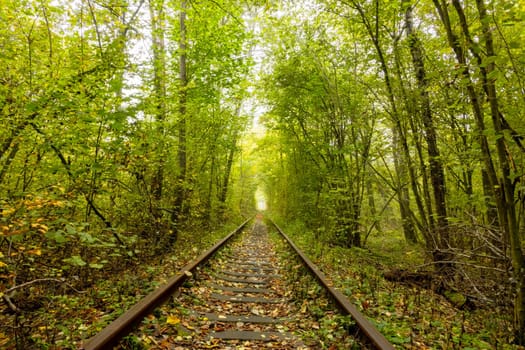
(7, 297)
(72, 177)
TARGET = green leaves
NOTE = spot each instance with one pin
(57, 236)
(75, 260)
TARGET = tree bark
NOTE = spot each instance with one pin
(159, 91)
(513, 234)
(437, 173)
(180, 190)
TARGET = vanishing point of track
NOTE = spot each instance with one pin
(235, 295)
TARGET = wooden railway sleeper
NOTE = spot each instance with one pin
(242, 299)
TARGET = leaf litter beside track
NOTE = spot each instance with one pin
(66, 318)
(410, 317)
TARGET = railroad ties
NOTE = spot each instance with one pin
(240, 300)
(242, 294)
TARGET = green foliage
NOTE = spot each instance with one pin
(81, 146)
(92, 129)
(325, 122)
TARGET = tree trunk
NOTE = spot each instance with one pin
(491, 214)
(376, 223)
(9, 159)
(180, 186)
(437, 173)
(403, 195)
(513, 234)
(229, 164)
(406, 167)
(159, 91)
(227, 171)
(401, 151)
(502, 187)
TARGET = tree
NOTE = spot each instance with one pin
(317, 107)
(159, 99)
(437, 172)
(501, 184)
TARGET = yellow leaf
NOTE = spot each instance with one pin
(185, 324)
(40, 227)
(35, 252)
(7, 212)
(2, 264)
(173, 320)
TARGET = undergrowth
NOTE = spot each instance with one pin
(65, 318)
(410, 317)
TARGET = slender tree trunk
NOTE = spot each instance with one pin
(227, 171)
(518, 260)
(372, 203)
(491, 213)
(209, 196)
(229, 164)
(180, 187)
(407, 169)
(502, 187)
(475, 101)
(437, 173)
(9, 159)
(159, 91)
(401, 151)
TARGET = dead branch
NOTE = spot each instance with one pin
(7, 294)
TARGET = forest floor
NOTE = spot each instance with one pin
(411, 317)
(61, 318)
(202, 314)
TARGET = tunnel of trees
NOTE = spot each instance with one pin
(130, 122)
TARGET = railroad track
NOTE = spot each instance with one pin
(237, 295)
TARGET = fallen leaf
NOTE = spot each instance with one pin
(173, 320)
(185, 324)
(304, 307)
(35, 252)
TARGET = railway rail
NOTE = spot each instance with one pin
(235, 295)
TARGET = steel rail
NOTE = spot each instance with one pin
(109, 336)
(370, 331)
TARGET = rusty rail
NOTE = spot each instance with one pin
(123, 325)
(369, 330)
